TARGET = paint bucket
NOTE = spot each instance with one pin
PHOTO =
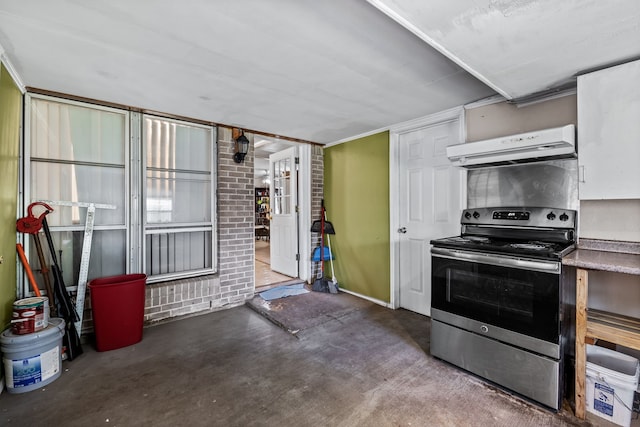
(33, 360)
(30, 315)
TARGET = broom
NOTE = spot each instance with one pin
(319, 284)
(333, 284)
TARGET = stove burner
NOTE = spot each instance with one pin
(478, 239)
(530, 246)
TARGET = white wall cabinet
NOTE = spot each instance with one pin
(609, 133)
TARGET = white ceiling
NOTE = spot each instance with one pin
(520, 47)
(314, 70)
(320, 71)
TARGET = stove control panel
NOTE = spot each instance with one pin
(512, 215)
(525, 216)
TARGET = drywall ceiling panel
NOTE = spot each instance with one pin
(520, 47)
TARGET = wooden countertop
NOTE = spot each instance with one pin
(598, 255)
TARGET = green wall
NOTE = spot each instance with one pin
(356, 191)
(10, 107)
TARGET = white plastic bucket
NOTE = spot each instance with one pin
(32, 360)
(612, 379)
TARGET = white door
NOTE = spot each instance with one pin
(430, 206)
(283, 198)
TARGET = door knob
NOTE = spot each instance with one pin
(402, 230)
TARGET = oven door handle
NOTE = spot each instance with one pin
(498, 260)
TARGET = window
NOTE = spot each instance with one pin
(178, 228)
(281, 198)
(78, 152)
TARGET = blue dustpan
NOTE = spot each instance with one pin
(327, 254)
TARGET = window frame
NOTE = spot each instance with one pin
(211, 226)
(26, 175)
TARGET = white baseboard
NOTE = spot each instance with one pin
(373, 300)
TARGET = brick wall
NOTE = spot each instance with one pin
(317, 193)
(235, 221)
(181, 297)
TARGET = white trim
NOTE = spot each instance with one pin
(373, 300)
(408, 125)
(561, 94)
(495, 99)
(394, 220)
(398, 127)
(134, 232)
(304, 214)
(11, 69)
(436, 45)
(442, 116)
(457, 113)
(351, 138)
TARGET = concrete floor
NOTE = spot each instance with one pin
(368, 366)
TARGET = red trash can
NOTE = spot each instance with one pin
(118, 310)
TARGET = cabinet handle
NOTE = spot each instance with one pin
(402, 230)
(580, 173)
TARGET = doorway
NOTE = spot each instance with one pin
(270, 178)
(264, 275)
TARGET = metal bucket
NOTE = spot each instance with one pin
(30, 315)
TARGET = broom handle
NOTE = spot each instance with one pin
(322, 241)
(333, 272)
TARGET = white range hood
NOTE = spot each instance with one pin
(524, 147)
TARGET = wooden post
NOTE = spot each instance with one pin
(582, 282)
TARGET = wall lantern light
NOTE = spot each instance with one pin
(242, 148)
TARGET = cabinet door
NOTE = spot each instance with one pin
(609, 133)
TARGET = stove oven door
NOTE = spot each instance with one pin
(515, 301)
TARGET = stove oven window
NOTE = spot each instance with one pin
(491, 295)
(519, 300)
